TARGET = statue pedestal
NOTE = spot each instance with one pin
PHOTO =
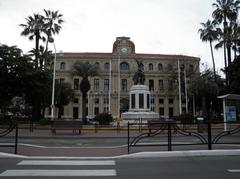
(139, 105)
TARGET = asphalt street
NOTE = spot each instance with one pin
(218, 167)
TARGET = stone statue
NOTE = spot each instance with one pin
(139, 76)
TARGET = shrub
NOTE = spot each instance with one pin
(103, 118)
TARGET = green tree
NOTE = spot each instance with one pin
(52, 25)
(226, 12)
(13, 67)
(63, 95)
(234, 69)
(42, 27)
(208, 33)
(37, 90)
(34, 28)
(206, 89)
(84, 70)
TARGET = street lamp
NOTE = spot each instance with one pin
(51, 40)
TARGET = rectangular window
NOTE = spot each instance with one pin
(170, 100)
(170, 112)
(161, 100)
(75, 113)
(76, 84)
(160, 84)
(151, 85)
(133, 100)
(184, 110)
(106, 110)
(183, 100)
(161, 111)
(141, 101)
(105, 100)
(76, 100)
(170, 84)
(124, 85)
(106, 85)
(61, 80)
(96, 111)
(148, 101)
(96, 85)
(96, 101)
(152, 100)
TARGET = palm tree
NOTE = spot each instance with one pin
(33, 29)
(52, 24)
(85, 70)
(64, 94)
(226, 11)
(45, 56)
(209, 33)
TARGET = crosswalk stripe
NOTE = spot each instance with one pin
(234, 170)
(67, 162)
(9, 173)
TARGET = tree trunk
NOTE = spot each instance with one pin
(224, 47)
(213, 61)
(37, 48)
(229, 63)
(84, 97)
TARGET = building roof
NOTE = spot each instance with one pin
(137, 55)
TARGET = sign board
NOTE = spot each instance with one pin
(231, 113)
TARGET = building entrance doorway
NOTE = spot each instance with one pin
(75, 112)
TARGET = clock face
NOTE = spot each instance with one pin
(124, 50)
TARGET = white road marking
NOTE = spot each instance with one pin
(77, 147)
(234, 170)
(58, 173)
(67, 162)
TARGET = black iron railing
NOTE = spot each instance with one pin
(204, 133)
(8, 125)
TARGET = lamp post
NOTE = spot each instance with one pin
(51, 40)
(119, 83)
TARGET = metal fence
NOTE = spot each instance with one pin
(8, 125)
(172, 133)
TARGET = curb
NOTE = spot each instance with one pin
(142, 155)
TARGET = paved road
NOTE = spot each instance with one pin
(221, 167)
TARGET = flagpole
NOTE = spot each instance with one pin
(186, 97)
(119, 86)
(179, 90)
(109, 88)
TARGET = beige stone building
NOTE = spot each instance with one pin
(161, 75)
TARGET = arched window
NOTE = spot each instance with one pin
(182, 67)
(160, 67)
(124, 66)
(106, 66)
(52, 66)
(150, 67)
(97, 65)
(124, 84)
(191, 68)
(170, 67)
(62, 66)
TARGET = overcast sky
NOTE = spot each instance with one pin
(155, 26)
